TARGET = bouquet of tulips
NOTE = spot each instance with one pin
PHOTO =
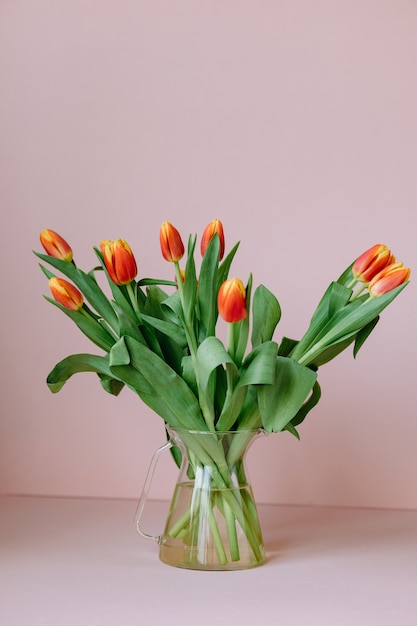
(164, 346)
(158, 336)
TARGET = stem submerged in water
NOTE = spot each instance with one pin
(215, 512)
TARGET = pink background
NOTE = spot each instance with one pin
(295, 124)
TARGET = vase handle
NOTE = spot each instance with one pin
(145, 491)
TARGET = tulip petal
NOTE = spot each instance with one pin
(172, 247)
(231, 300)
(55, 245)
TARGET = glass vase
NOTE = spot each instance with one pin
(212, 522)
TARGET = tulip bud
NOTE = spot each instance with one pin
(388, 279)
(231, 300)
(55, 245)
(119, 261)
(371, 262)
(172, 247)
(66, 294)
(214, 227)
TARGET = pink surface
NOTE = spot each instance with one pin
(294, 123)
(80, 562)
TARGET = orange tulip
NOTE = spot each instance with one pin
(55, 245)
(214, 227)
(388, 279)
(119, 261)
(172, 247)
(231, 300)
(66, 294)
(371, 262)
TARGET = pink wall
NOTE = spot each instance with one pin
(293, 122)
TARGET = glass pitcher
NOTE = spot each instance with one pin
(212, 522)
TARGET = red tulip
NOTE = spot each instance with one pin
(231, 300)
(371, 262)
(172, 247)
(214, 227)
(389, 278)
(55, 245)
(66, 294)
(119, 261)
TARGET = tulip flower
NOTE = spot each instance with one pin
(119, 261)
(55, 245)
(66, 294)
(231, 300)
(371, 262)
(214, 227)
(388, 279)
(172, 247)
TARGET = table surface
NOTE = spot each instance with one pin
(80, 562)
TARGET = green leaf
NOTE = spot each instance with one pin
(307, 406)
(190, 282)
(127, 325)
(231, 409)
(143, 282)
(164, 320)
(224, 266)
(111, 385)
(259, 366)
(207, 285)
(327, 354)
(291, 429)
(89, 326)
(280, 402)
(188, 374)
(158, 385)
(77, 363)
(250, 417)
(165, 339)
(334, 299)
(286, 346)
(363, 335)
(348, 321)
(266, 313)
(347, 277)
(175, 451)
(154, 298)
(257, 369)
(169, 329)
(47, 272)
(210, 354)
(88, 287)
(173, 309)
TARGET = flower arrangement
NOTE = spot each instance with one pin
(159, 339)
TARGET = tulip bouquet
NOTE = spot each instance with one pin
(158, 338)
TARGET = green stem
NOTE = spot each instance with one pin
(217, 539)
(358, 292)
(133, 299)
(231, 532)
(181, 523)
(231, 346)
(209, 452)
(352, 283)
